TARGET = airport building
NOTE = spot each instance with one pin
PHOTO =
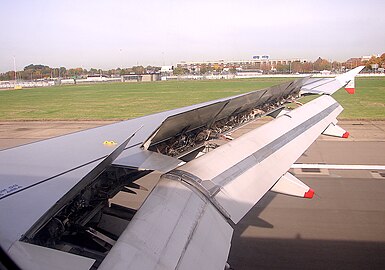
(359, 61)
(257, 63)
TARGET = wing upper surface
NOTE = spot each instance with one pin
(194, 206)
(173, 228)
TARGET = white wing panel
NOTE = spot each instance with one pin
(34, 257)
(210, 245)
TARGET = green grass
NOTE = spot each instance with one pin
(367, 103)
(117, 100)
(128, 100)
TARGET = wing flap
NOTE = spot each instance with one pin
(148, 160)
(172, 230)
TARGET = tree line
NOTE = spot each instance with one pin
(36, 72)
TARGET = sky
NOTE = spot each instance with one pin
(115, 33)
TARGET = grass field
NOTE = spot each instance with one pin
(367, 103)
(128, 100)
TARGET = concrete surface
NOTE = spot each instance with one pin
(342, 227)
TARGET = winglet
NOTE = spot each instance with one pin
(309, 194)
(350, 87)
(329, 86)
(348, 79)
(345, 135)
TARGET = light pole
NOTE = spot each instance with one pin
(14, 66)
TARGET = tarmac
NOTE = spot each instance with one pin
(342, 227)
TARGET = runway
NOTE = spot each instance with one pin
(342, 227)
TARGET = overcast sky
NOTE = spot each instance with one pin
(111, 33)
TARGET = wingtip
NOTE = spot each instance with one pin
(346, 135)
(351, 91)
(309, 194)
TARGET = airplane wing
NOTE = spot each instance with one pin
(331, 85)
(55, 195)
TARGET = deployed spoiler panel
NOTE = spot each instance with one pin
(186, 121)
(207, 115)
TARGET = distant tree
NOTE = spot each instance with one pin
(27, 74)
(126, 71)
(122, 71)
(266, 67)
(62, 72)
(35, 67)
(7, 76)
(322, 64)
(138, 70)
(296, 67)
(307, 67)
(282, 68)
(217, 68)
(178, 71)
(152, 69)
(336, 65)
(93, 71)
(382, 57)
(372, 61)
(35, 71)
(382, 60)
(38, 74)
(233, 70)
(203, 69)
(75, 72)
